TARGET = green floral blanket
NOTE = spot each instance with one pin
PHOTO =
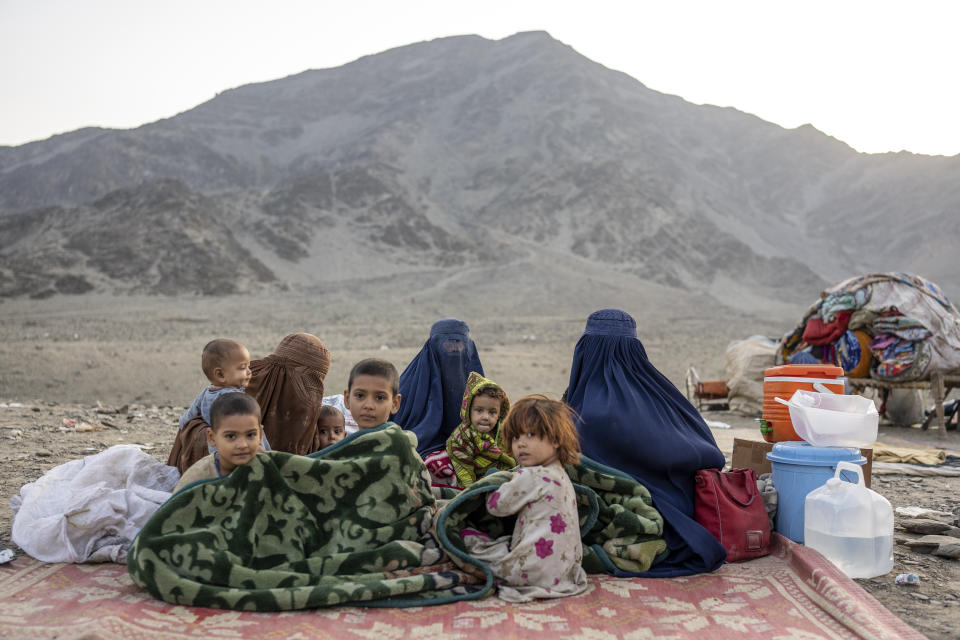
(622, 532)
(357, 523)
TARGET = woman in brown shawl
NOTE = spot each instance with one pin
(288, 385)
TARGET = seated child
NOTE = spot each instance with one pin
(473, 446)
(371, 395)
(336, 401)
(330, 426)
(542, 557)
(234, 432)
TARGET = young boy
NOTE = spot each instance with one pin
(473, 446)
(330, 426)
(226, 363)
(371, 395)
(235, 433)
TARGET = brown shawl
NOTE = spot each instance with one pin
(190, 445)
(288, 384)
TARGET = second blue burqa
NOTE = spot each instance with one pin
(632, 418)
(432, 384)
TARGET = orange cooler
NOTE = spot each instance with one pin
(781, 382)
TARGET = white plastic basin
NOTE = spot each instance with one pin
(830, 420)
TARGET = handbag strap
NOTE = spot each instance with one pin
(734, 484)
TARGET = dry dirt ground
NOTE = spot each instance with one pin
(128, 368)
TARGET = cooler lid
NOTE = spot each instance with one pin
(796, 452)
(805, 371)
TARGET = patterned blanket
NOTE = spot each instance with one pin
(622, 533)
(357, 523)
(351, 524)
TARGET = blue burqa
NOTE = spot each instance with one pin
(632, 418)
(432, 384)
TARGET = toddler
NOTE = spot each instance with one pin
(234, 433)
(473, 446)
(542, 557)
(226, 363)
(330, 426)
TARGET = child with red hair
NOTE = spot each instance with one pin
(542, 557)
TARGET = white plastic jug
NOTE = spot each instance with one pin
(851, 525)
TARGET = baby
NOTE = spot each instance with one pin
(542, 558)
(226, 363)
(473, 446)
(234, 433)
(330, 426)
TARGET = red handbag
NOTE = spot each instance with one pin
(730, 506)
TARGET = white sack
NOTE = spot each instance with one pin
(746, 362)
(89, 510)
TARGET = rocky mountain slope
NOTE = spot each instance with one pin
(465, 153)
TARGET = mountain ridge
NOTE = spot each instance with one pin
(416, 150)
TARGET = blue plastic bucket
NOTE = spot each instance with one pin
(798, 469)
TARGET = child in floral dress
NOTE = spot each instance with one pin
(542, 557)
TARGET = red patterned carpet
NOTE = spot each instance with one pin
(792, 594)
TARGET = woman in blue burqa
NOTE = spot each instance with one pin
(632, 418)
(432, 384)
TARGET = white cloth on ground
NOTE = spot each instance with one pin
(89, 510)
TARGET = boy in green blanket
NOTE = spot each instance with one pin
(474, 446)
(371, 395)
(235, 431)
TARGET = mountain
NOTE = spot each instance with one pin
(465, 153)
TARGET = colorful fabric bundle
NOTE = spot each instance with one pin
(893, 322)
(853, 353)
(899, 304)
(894, 355)
(839, 301)
(819, 331)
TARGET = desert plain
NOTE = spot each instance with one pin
(129, 365)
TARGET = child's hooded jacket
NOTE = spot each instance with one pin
(473, 453)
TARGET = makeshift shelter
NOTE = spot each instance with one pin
(894, 327)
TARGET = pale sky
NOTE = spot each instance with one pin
(879, 75)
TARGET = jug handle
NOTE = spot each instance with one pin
(844, 465)
(822, 388)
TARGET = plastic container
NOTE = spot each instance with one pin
(782, 382)
(828, 420)
(850, 525)
(799, 468)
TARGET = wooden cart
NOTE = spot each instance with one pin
(939, 384)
